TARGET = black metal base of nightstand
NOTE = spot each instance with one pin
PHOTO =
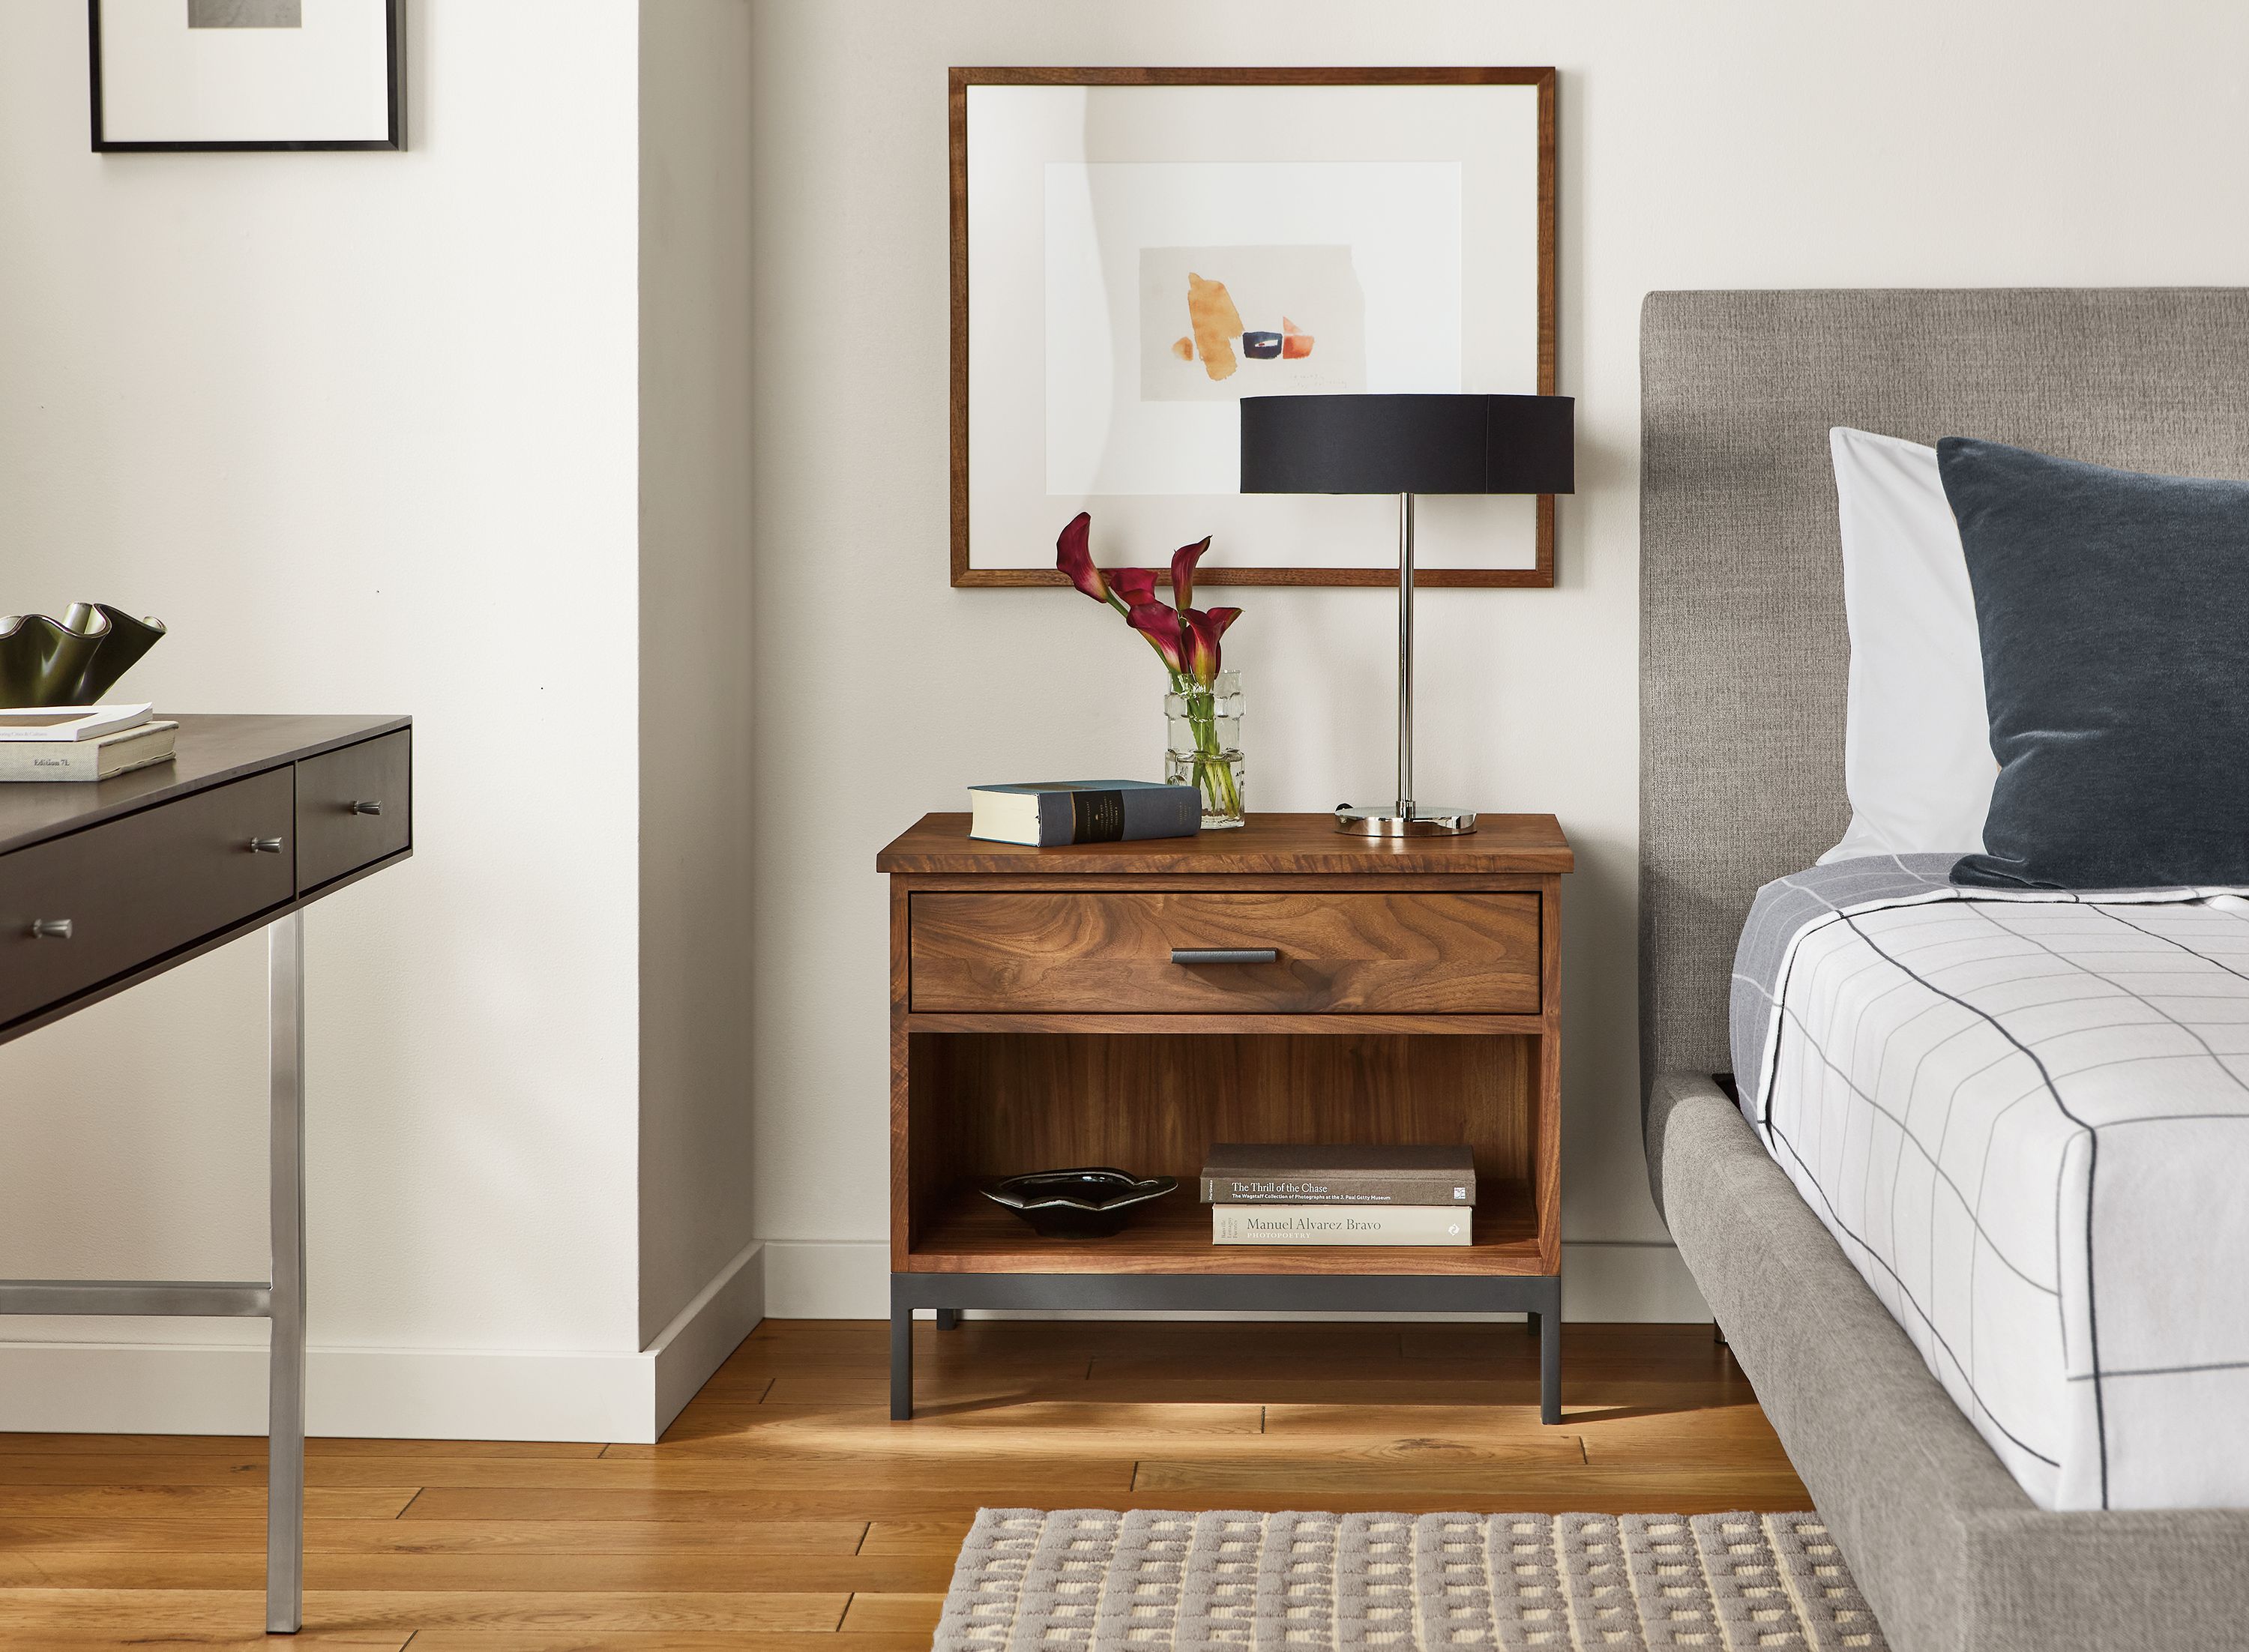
(1539, 1295)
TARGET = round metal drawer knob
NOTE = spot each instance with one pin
(51, 928)
(367, 806)
(266, 845)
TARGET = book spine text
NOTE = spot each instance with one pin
(1327, 1224)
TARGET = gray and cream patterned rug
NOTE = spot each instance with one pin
(1097, 1580)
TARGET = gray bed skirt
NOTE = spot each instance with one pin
(1947, 1550)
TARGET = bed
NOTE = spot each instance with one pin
(1742, 671)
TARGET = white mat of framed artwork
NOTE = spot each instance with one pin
(244, 70)
(1378, 238)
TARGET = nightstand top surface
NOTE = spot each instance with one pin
(1267, 843)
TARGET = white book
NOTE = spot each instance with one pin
(64, 723)
(134, 748)
(1339, 1225)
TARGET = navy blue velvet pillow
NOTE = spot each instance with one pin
(2115, 614)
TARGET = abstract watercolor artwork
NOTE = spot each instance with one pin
(1196, 345)
(1138, 249)
(247, 74)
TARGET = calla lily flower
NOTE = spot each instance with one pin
(1183, 570)
(1136, 585)
(1203, 631)
(1074, 556)
(1187, 639)
(1161, 625)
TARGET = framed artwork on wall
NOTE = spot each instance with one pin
(247, 74)
(1135, 250)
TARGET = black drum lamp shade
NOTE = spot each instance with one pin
(1408, 444)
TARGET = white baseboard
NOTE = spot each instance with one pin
(709, 1328)
(825, 1279)
(399, 1394)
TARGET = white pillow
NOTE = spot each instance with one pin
(1916, 739)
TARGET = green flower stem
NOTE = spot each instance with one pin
(1213, 772)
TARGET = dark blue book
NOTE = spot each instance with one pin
(1044, 813)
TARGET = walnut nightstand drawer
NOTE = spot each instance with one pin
(1433, 952)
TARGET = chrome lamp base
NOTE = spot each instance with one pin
(1416, 820)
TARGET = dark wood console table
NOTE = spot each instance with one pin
(103, 885)
(1061, 1007)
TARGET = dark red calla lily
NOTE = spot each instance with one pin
(1136, 585)
(1074, 556)
(1203, 631)
(1183, 570)
(1161, 625)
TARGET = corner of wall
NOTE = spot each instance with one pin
(694, 672)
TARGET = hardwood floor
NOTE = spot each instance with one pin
(785, 1512)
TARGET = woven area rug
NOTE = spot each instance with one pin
(1097, 1581)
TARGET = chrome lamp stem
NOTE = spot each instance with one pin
(1407, 819)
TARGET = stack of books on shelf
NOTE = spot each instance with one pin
(1338, 1195)
(82, 741)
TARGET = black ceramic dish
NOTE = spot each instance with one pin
(1088, 1204)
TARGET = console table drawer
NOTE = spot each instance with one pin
(355, 805)
(1425, 953)
(134, 888)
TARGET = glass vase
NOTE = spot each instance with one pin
(1204, 749)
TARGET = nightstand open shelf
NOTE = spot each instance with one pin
(969, 1234)
(1039, 1020)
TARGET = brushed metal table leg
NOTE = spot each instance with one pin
(285, 1416)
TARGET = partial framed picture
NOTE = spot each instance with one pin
(1135, 250)
(247, 74)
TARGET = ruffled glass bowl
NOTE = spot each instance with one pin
(72, 661)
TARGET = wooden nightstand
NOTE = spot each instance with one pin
(1047, 1010)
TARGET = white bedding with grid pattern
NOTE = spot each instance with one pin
(2025, 1118)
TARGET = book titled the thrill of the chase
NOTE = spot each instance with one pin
(1338, 1173)
(1045, 814)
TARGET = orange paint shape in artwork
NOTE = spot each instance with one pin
(1295, 343)
(1183, 348)
(1215, 324)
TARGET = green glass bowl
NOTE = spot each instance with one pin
(72, 661)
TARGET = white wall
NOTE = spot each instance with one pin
(364, 430)
(695, 790)
(1724, 144)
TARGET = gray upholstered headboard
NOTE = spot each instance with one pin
(1743, 648)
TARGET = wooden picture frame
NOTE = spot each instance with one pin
(961, 80)
(394, 137)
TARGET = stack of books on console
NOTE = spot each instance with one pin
(82, 741)
(1338, 1195)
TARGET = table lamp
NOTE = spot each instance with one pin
(1406, 445)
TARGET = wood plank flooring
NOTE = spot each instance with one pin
(785, 1512)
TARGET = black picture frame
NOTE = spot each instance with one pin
(394, 39)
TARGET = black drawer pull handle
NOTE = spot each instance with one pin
(1226, 954)
(367, 806)
(51, 928)
(266, 845)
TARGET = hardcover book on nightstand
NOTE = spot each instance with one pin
(1341, 1173)
(1045, 814)
(1331, 1224)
